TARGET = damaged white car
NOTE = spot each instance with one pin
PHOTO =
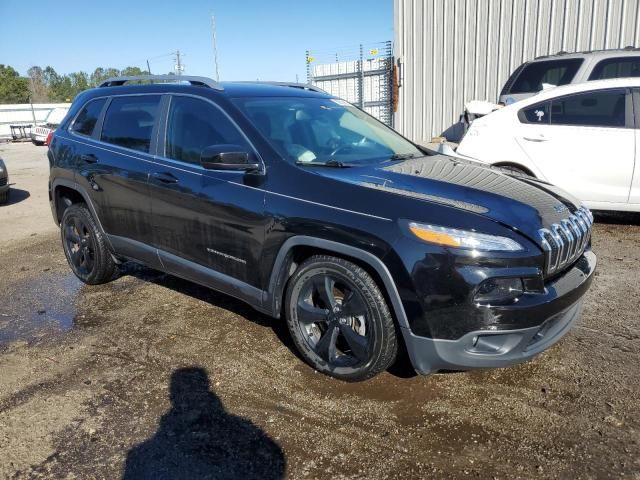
(584, 138)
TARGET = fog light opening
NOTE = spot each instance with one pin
(499, 290)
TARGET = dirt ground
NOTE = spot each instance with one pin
(154, 377)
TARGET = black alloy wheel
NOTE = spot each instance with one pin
(85, 247)
(339, 319)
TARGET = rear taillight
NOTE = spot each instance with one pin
(49, 138)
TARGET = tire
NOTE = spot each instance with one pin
(4, 197)
(85, 246)
(339, 319)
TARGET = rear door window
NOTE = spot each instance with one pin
(194, 124)
(616, 68)
(535, 76)
(86, 120)
(129, 121)
(602, 108)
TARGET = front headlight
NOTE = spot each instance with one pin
(452, 237)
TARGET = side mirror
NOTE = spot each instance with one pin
(228, 157)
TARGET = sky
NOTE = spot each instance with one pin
(257, 40)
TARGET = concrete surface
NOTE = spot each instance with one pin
(150, 376)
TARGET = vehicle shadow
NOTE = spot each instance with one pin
(212, 297)
(402, 368)
(198, 439)
(617, 218)
(16, 195)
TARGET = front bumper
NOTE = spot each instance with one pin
(486, 348)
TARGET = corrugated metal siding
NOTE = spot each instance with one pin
(454, 51)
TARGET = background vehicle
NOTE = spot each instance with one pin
(564, 68)
(583, 138)
(306, 207)
(4, 183)
(40, 132)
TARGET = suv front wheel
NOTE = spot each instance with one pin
(84, 246)
(339, 319)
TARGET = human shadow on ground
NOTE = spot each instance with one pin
(16, 195)
(198, 439)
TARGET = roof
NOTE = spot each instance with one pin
(612, 52)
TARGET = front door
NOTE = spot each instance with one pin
(204, 218)
(583, 143)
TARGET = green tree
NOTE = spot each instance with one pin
(13, 88)
(79, 81)
(133, 71)
(100, 74)
(37, 85)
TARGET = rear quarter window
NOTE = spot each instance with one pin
(538, 114)
(552, 72)
(129, 121)
(86, 120)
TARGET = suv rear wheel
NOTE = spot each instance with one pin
(339, 319)
(84, 246)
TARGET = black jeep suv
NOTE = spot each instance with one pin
(309, 209)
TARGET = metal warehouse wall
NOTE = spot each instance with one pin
(454, 51)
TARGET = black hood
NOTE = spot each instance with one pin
(522, 203)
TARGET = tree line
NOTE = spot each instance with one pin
(45, 85)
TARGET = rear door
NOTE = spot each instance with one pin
(209, 218)
(117, 171)
(584, 143)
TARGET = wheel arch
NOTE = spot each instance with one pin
(67, 190)
(300, 247)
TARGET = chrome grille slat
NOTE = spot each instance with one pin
(565, 241)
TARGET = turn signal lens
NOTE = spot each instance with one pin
(452, 237)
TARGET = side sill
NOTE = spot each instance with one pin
(188, 270)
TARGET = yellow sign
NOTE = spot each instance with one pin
(373, 51)
(310, 59)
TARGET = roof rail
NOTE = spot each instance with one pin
(196, 81)
(301, 86)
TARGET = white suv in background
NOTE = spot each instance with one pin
(584, 138)
(564, 68)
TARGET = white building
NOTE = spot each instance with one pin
(454, 51)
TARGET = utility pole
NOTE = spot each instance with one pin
(148, 68)
(215, 47)
(31, 95)
(179, 66)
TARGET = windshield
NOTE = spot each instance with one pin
(324, 130)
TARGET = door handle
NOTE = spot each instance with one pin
(165, 177)
(88, 158)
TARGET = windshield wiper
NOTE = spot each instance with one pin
(327, 163)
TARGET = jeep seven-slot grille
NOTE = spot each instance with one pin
(564, 242)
